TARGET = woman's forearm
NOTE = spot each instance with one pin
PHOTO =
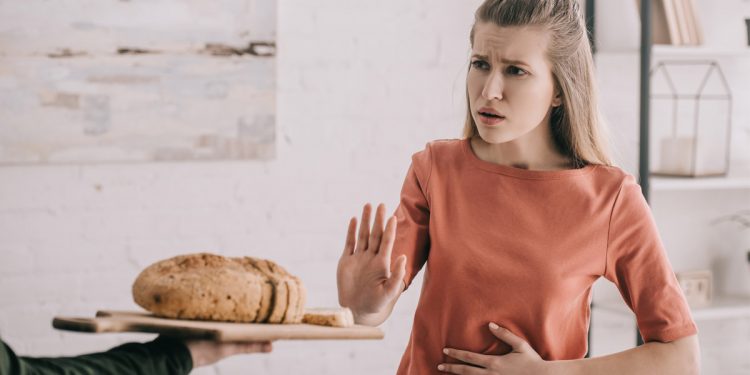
(679, 357)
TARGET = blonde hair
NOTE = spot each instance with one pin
(576, 125)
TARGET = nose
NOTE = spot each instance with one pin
(493, 87)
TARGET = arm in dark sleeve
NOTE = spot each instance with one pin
(161, 356)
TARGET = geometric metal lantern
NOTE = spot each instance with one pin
(691, 110)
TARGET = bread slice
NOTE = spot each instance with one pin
(292, 294)
(299, 311)
(336, 317)
(267, 289)
(296, 295)
(280, 297)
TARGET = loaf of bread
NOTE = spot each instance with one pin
(213, 287)
(338, 317)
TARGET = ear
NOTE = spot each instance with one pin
(557, 99)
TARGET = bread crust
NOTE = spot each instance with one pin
(206, 286)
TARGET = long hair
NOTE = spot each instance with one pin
(576, 125)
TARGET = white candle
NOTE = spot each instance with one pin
(711, 158)
(677, 156)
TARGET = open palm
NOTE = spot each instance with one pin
(367, 283)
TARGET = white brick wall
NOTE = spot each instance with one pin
(361, 86)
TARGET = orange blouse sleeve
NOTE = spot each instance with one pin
(413, 216)
(637, 264)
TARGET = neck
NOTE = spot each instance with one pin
(535, 150)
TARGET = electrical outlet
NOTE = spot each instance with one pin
(697, 287)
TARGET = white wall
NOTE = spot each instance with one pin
(361, 86)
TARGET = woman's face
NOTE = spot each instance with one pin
(510, 84)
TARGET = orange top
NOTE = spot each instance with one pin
(522, 249)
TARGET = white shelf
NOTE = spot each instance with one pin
(698, 51)
(722, 307)
(659, 183)
(665, 51)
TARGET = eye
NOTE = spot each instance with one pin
(516, 71)
(480, 64)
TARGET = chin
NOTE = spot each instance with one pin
(493, 137)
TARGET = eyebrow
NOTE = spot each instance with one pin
(504, 61)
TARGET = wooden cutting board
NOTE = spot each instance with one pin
(125, 321)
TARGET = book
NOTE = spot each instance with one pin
(682, 21)
(659, 28)
(670, 16)
(695, 25)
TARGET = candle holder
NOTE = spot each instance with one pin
(691, 107)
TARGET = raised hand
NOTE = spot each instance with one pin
(367, 282)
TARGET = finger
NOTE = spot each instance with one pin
(462, 369)
(266, 347)
(350, 239)
(396, 284)
(364, 229)
(504, 334)
(389, 237)
(377, 229)
(469, 357)
(251, 347)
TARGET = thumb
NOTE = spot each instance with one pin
(505, 335)
(393, 284)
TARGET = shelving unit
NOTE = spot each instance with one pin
(665, 51)
(722, 307)
(681, 51)
(703, 183)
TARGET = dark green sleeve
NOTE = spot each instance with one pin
(161, 356)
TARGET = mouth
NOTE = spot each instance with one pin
(489, 116)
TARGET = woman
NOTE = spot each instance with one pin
(516, 221)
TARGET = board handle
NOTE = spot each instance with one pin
(95, 325)
(108, 322)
